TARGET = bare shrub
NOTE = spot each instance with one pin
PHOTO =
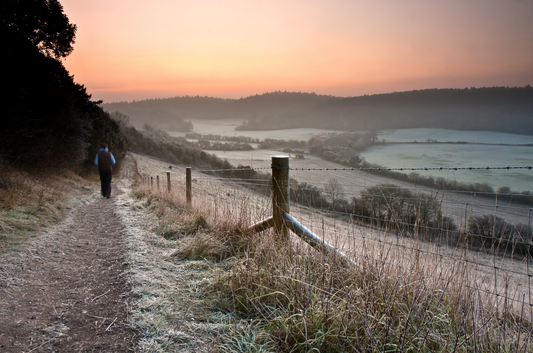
(489, 231)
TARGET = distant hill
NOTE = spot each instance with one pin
(494, 109)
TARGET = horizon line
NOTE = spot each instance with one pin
(312, 93)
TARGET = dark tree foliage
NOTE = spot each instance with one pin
(41, 22)
(47, 120)
(43, 118)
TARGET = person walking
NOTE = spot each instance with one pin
(104, 160)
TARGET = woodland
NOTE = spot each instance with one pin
(49, 121)
(503, 109)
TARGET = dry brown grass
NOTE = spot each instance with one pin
(289, 298)
(29, 202)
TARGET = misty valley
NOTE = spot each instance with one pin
(404, 148)
(446, 128)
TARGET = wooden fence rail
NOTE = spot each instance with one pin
(281, 220)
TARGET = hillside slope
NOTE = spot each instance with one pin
(496, 109)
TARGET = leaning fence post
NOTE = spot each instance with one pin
(280, 194)
(168, 181)
(188, 184)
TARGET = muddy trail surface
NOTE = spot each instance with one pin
(66, 290)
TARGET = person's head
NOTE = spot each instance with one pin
(104, 145)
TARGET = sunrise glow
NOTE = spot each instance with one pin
(132, 49)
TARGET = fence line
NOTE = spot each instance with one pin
(526, 214)
(230, 191)
(508, 167)
(371, 218)
(419, 168)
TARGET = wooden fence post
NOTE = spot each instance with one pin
(280, 195)
(151, 182)
(157, 182)
(188, 184)
(168, 181)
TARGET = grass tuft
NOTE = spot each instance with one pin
(193, 223)
(246, 339)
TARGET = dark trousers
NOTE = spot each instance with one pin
(105, 179)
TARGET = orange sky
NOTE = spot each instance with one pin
(137, 49)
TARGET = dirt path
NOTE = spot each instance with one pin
(66, 290)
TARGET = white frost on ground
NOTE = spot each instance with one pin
(165, 287)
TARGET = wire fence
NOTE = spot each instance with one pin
(480, 241)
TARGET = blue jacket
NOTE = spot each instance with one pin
(105, 150)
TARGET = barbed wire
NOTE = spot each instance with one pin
(254, 185)
(385, 196)
(427, 227)
(470, 208)
(354, 216)
(497, 295)
(230, 169)
(448, 257)
(508, 167)
(381, 186)
(468, 234)
(416, 168)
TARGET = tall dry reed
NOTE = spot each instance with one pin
(301, 300)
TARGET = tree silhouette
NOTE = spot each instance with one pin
(41, 22)
(48, 120)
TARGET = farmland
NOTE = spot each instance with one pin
(403, 152)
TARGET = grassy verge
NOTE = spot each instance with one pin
(30, 202)
(271, 297)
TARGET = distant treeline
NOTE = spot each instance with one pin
(503, 109)
(242, 142)
(213, 137)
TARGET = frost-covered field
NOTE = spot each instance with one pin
(226, 127)
(500, 153)
(485, 148)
